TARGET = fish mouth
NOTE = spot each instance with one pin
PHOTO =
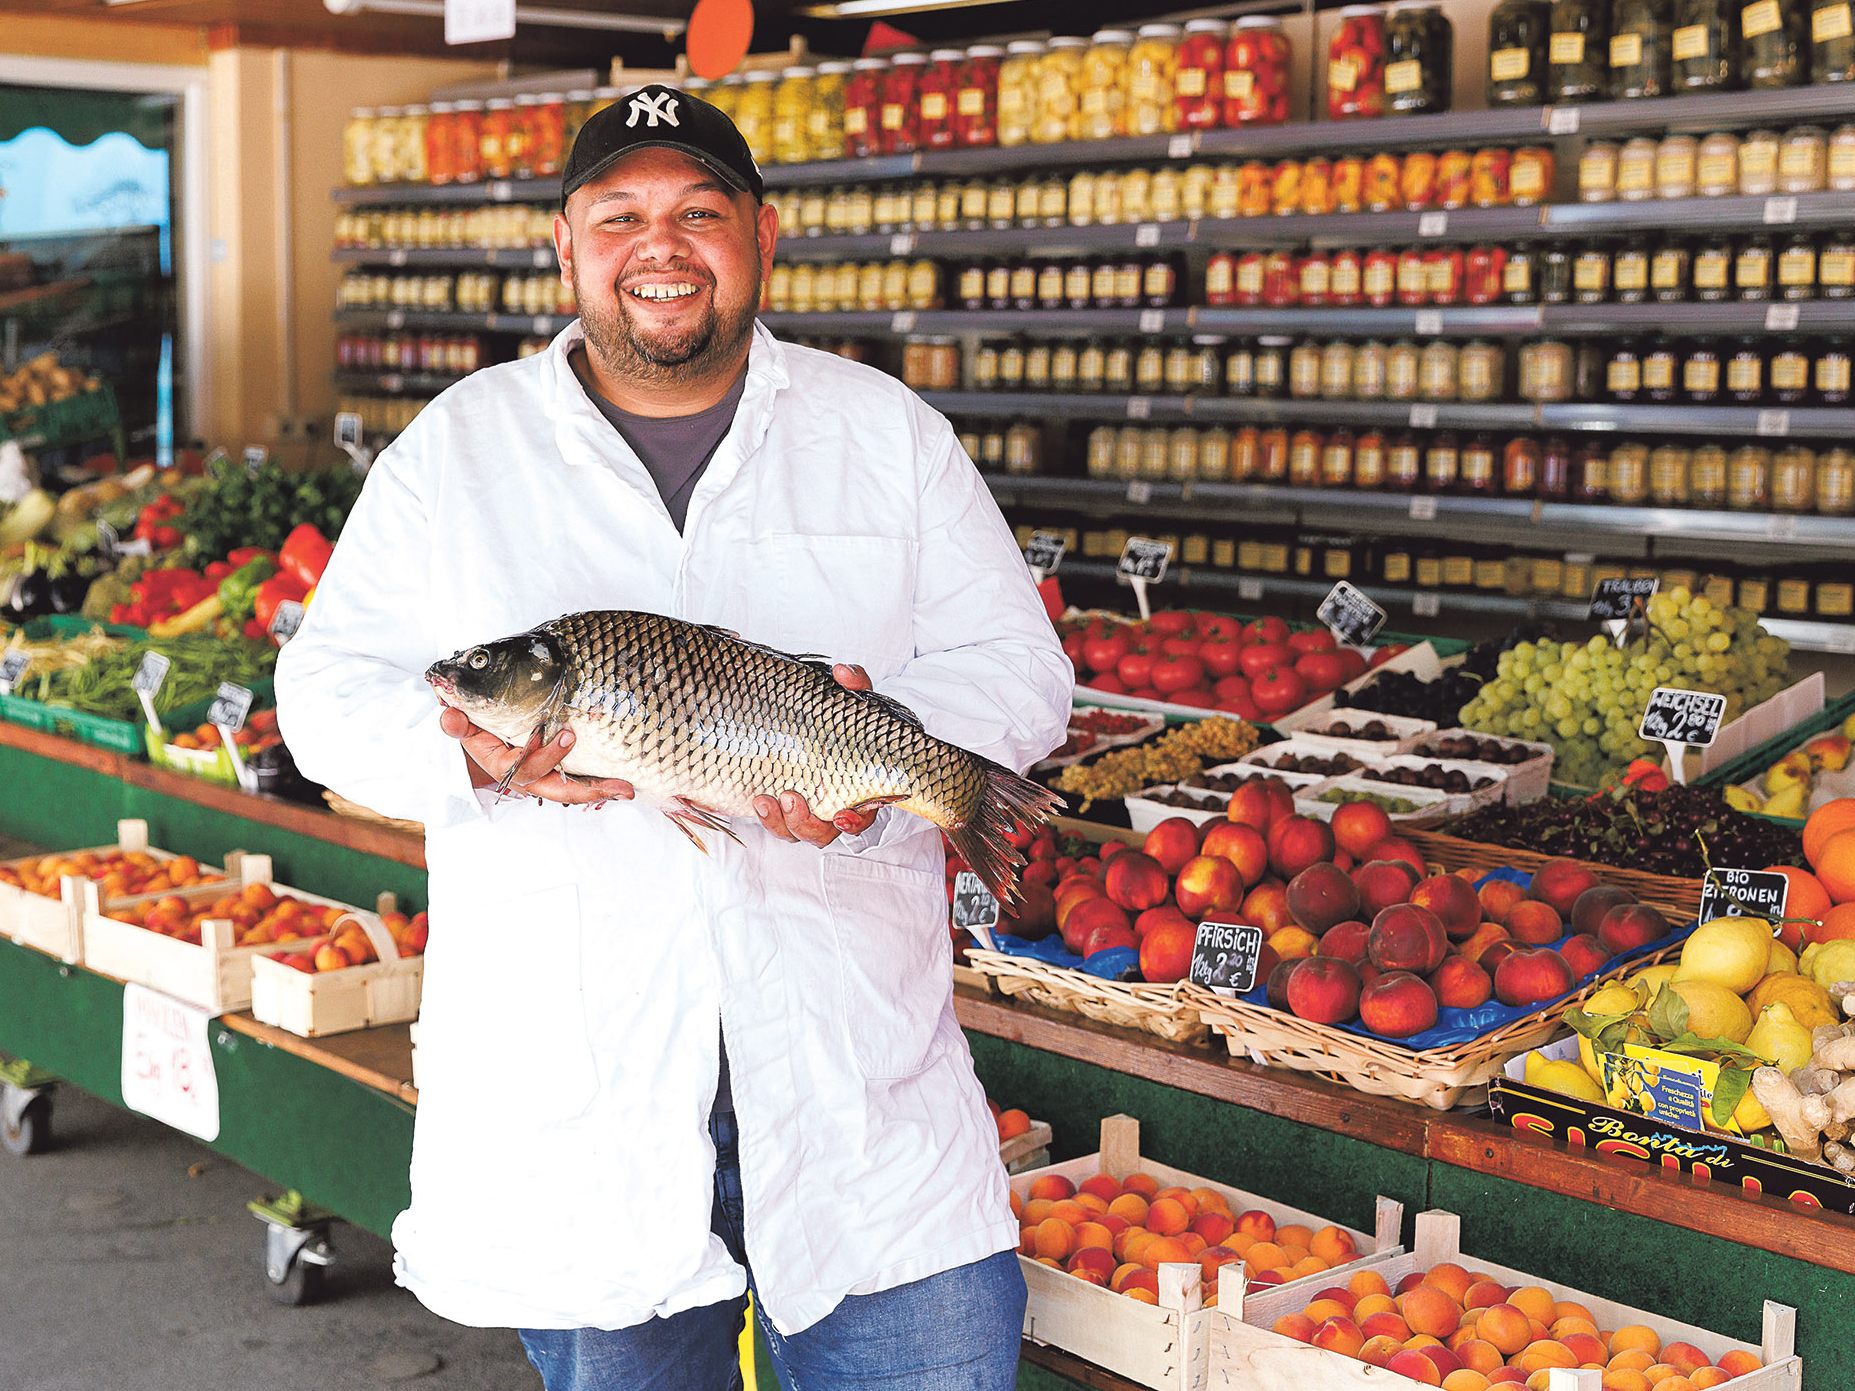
(442, 685)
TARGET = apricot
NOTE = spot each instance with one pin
(1368, 1282)
(1584, 1348)
(1213, 1226)
(1626, 1379)
(1210, 1200)
(1339, 1335)
(1573, 1323)
(1409, 1362)
(1544, 1354)
(1685, 1358)
(1323, 1309)
(1506, 1327)
(1145, 1295)
(1308, 1266)
(1092, 1202)
(1739, 1362)
(1429, 1309)
(1710, 1376)
(1497, 896)
(1167, 1216)
(1070, 1211)
(1451, 1279)
(1479, 1354)
(1144, 1184)
(1370, 1304)
(1193, 1243)
(1213, 1257)
(1380, 1350)
(1164, 1250)
(1092, 1261)
(1660, 1373)
(1093, 1234)
(1130, 1245)
(1017, 1207)
(1256, 1223)
(1630, 1359)
(1052, 1186)
(1294, 1234)
(1484, 1293)
(1130, 1207)
(1121, 1272)
(1264, 1255)
(1182, 1196)
(1675, 1382)
(1103, 1186)
(1534, 923)
(1386, 1325)
(1465, 1379)
(1636, 1336)
(1297, 1326)
(1054, 1238)
(1142, 1282)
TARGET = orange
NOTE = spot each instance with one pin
(1808, 898)
(1837, 922)
(1826, 821)
(1835, 865)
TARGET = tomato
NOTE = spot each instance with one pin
(1107, 681)
(1386, 653)
(1198, 697)
(1322, 671)
(1220, 657)
(1177, 673)
(1104, 653)
(1220, 626)
(1072, 648)
(1136, 668)
(1259, 657)
(1180, 647)
(1171, 622)
(1265, 630)
(1354, 663)
(1277, 691)
(1232, 686)
(1314, 640)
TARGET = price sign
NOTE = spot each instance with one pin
(1676, 717)
(348, 430)
(1427, 604)
(151, 674)
(397, 256)
(1780, 210)
(1423, 509)
(478, 21)
(230, 707)
(1353, 617)
(396, 319)
(501, 191)
(1781, 318)
(902, 244)
(167, 1062)
(1139, 407)
(1423, 417)
(1429, 322)
(1146, 234)
(1179, 147)
(1782, 527)
(1620, 598)
(903, 322)
(1225, 956)
(974, 908)
(1562, 120)
(1152, 320)
(1045, 553)
(1750, 893)
(1774, 422)
(1433, 225)
(1139, 492)
(1249, 590)
(542, 326)
(286, 620)
(1143, 559)
(12, 667)
(544, 258)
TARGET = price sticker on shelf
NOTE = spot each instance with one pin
(1839, 638)
(397, 256)
(1139, 492)
(975, 908)
(1677, 719)
(542, 326)
(1620, 598)
(1139, 407)
(1780, 210)
(1743, 893)
(1180, 146)
(1774, 422)
(1045, 554)
(1781, 527)
(12, 667)
(286, 620)
(1152, 320)
(1226, 956)
(229, 708)
(1146, 234)
(903, 322)
(1433, 225)
(902, 244)
(1249, 590)
(1429, 322)
(1423, 509)
(1781, 318)
(167, 1062)
(1423, 417)
(1352, 616)
(500, 191)
(1562, 120)
(396, 318)
(544, 258)
(1427, 604)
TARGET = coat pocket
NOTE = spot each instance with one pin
(894, 958)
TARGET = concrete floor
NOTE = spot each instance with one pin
(128, 1263)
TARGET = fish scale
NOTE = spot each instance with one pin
(695, 717)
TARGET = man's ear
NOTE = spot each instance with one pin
(563, 247)
(766, 233)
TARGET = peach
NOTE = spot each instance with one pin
(1094, 1235)
(1346, 940)
(1386, 1325)
(1214, 1226)
(1583, 1346)
(1212, 1257)
(1130, 1207)
(1685, 1358)
(1738, 1362)
(1497, 896)
(1380, 1350)
(1260, 803)
(1480, 940)
(1092, 1258)
(1397, 1005)
(1382, 883)
(1052, 1187)
(1107, 936)
(1334, 1246)
(1103, 1186)
(1406, 937)
(1629, 926)
(1583, 954)
(1033, 916)
(1410, 1362)
(1479, 1353)
(1430, 1309)
(1074, 890)
(1266, 906)
(1465, 1379)
(1054, 1238)
(1636, 1337)
(1320, 896)
(1494, 954)
(1452, 900)
(1293, 944)
(1535, 1302)
(1262, 1279)
(1243, 846)
(1164, 1250)
(1172, 843)
(1370, 1304)
(1168, 1217)
(1297, 1326)
(1365, 1282)
(1484, 1293)
(1358, 826)
(1136, 881)
(1533, 922)
(1397, 848)
(1591, 905)
(1298, 842)
(1166, 915)
(1505, 1327)
(1532, 977)
(1559, 882)
(1461, 984)
(1339, 1335)
(1325, 990)
(1092, 913)
(1208, 884)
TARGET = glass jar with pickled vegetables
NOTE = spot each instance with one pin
(1150, 64)
(863, 108)
(900, 132)
(1356, 65)
(1529, 176)
(792, 100)
(1832, 42)
(412, 123)
(1775, 43)
(975, 103)
(753, 112)
(1517, 32)
(1256, 73)
(1104, 85)
(467, 142)
(578, 109)
(1060, 82)
(1835, 482)
(935, 92)
(547, 151)
(441, 143)
(357, 146)
(1198, 75)
(498, 138)
(1703, 45)
(1578, 51)
(824, 119)
(1017, 91)
(1640, 35)
(1419, 44)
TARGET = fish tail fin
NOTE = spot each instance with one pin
(984, 842)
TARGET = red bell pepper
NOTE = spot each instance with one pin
(244, 555)
(278, 589)
(305, 554)
(219, 569)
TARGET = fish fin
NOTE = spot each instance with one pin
(534, 741)
(877, 803)
(720, 631)
(690, 814)
(894, 707)
(677, 820)
(984, 842)
(816, 660)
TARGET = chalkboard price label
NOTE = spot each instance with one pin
(1354, 618)
(230, 707)
(1750, 893)
(1682, 717)
(1144, 559)
(975, 908)
(1045, 552)
(151, 674)
(1225, 957)
(1620, 598)
(12, 667)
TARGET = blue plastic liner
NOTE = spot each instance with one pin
(1452, 1025)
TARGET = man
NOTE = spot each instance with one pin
(602, 1002)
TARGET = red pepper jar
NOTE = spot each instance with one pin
(1345, 284)
(1483, 273)
(1443, 274)
(935, 93)
(1356, 65)
(1198, 76)
(1378, 277)
(1280, 283)
(901, 104)
(1220, 279)
(975, 103)
(1316, 279)
(1251, 268)
(863, 108)
(467, 142)
(1256, 73)
(1413, 278)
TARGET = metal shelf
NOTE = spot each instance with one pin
(394, 383)
(997, 241)
(1812, 635)
(393, 319)
(485, 191)
(1491, 319)
(462, 257)
(1806, 423)
(1734, 214)
(1050, 406)
(1060, 322)
(1756, 317)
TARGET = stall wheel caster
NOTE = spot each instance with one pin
(25, 1119)
(297, 1250)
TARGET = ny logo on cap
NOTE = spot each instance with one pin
(653, 106)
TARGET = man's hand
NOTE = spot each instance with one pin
(789, 818)
(535, 765)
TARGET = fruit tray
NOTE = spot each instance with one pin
(1302, 725)
(317, 1004)
(1145, 811)
(1679, 899)
(1031, 1150)
(1473, 800)
(49, 924)
(1027, 970)
(1161, 1345)
(1429, 805)
(1245, 1351)
(1268, 758)
(1526, 782)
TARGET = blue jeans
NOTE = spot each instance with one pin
(956, 1331)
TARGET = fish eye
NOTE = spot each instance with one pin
(478, 659)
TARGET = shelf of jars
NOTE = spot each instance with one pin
(425, 384)
(541, 325)
(460, 257)
(531, 190)
(1228, 410)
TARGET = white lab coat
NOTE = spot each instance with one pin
(579, 959)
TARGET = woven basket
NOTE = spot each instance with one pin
(1679, 899)
(1170, 1011)
(1456, 1075)
(341, 806)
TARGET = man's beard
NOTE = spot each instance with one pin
(629, 349)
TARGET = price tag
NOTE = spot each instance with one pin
(1427, 604)
(1747, 893)
(1780, 210)
(1225, 957)
(229, 708)
(544, 258)
(1045, 553)
(1139, 407)
(1429, 322)
(1353, 617)
(1838, 638)
(1774, 422)
(1780, 318)
(501, 191)
(286, 620)
(1139, 492)
(1423, 509)
(12, 667)
(1249, 589)
(1562, 120)
(975, 908)
(1146, 234)
(902, 244)
(1676, 717)
(1152, 320)
(1781, 528)
(1423, 417)
(1620, 598)
(392, 381)
(255, 455)
(1433, 225)
(903, 322)
(1179, 147)
(396, 257)
(347, 430)
(1143, 562)
(396, 318)
(108, 541)
(151, 674)
(167, 1062)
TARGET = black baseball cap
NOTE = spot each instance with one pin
(671, 118)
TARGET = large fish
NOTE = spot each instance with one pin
(702, 722)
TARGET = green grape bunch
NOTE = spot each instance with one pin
(1586, 698)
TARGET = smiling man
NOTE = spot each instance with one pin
(650, 1077)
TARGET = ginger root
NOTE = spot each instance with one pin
(1814, 1107)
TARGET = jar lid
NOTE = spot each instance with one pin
(1068, 41)
(580, 94)
(869, 65)
(947, 55)
(1359, 11)
(763, 75)
(833, 69)
(1159, 31)
(1208, 26)
(441, 108)
(527, 99)
(1104, 36)
(985, 50)
(470, 104)
(1025, 46)
(363, 113)
(495, 104)
(394, 112)
(1259, 21)
(908, 59)
(797, 71)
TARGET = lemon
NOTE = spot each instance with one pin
(1731, 952)
(1714, 1011)
(1615, 997)
(1792, 803)
(1809, 1003)
(1783, 961)
(1743, 799)
(1779, 1038)
(1653, 978)
(1826, 963)
(1559, 1075)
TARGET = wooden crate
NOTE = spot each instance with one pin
(48, 924)
(1242, 1351)
(1031, 1150)
(1162, 1346)
(314, 1005)
(215, 974)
